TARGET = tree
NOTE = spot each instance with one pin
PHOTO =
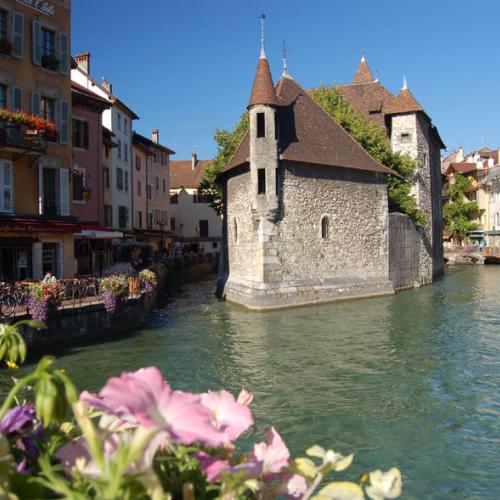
(459, 213)
(370, 136)
(227, 143)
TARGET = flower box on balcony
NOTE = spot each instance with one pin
(6, 47)
(34, 124)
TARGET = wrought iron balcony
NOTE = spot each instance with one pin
(18, 138)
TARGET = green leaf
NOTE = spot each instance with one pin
(306, 467)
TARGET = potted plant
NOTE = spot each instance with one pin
(44, 299)
(112, 290)
(50, 61)
(148, 281)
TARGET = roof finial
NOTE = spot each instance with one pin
(285, 60)
(363, 54)
(262, 17)
(405, 83)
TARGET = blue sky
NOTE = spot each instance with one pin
(187, 66)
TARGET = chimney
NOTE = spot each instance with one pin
(194, 160)
(156, 136)
(83, 61)
(107, 85)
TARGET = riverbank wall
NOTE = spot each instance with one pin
(90, 321)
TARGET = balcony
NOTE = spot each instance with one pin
(18, 138)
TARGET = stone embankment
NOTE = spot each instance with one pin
(90, 321)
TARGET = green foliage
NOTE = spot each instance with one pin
(375, 141)
(459, 213)
(370, 136)
(227, 143)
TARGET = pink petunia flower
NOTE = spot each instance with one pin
(144, 398)
(244, 397)
(228, 415)
(274, 454)
(212, 467)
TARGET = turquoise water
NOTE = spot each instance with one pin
(409, 380)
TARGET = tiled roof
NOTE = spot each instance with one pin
(307, 134)
(263, 89)
(462, 168)
(404, 102)
(369, 100)
(148, 143)
(183, 175)
(363, 73)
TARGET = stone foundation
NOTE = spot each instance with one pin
(265, 296)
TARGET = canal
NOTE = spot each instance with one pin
(409, 380)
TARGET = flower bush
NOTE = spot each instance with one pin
(42, 297)
(139, 438)
(148, 281)
(31, 121)
(112, 290)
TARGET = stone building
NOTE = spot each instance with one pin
(411, 131)
(306, 207)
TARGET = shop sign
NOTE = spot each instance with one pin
(40, 5)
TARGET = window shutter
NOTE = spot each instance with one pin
(6, 182)
(85, 140)
(35, 103)
(37, 51)
(17, 35)
(17, 98)
(64, 191)
(63, 122)
(63, 53)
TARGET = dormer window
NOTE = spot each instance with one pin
(261, 125)
(405, 137)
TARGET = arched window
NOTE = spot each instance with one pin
(325, 228)
(235, 230)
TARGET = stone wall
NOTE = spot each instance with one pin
(282, 260)
(404, 251)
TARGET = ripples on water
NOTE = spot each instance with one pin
(411, 380)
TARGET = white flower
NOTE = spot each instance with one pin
(384, 484)
(333, 460)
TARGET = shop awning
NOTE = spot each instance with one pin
(18, 225)
(97, 232)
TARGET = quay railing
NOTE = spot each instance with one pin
(76, 294)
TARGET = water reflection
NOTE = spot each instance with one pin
(410, 379)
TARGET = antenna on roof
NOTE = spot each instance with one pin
(405, 83)
(262, 17)
(285, 49)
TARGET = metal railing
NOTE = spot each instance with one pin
(18, 136)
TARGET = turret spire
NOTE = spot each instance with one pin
(262, 17)
(363, 73)
(405, 83)
(285, 61)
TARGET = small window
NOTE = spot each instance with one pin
(125, 126)
(119, 149)
(3, 25)
(174, 199)
(139, 219)
(106, 178)
(235, 230)
(80, 134)
(3, 96)
(203, 229)
(119, 179)
(122, 216)
(78, 184)
(126, 180)
(172, 223)
(139, 189)
(108, 215)
(137, 162)
(405, 137)
(261, 125)
(214, 245)
(164, 185)
(48, 50)
(119, 121)
(325, 228)
(157, 183)
(125, 152)
(261, 181)
(149, 192)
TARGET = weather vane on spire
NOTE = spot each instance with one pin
(262, 17)
(285, 59)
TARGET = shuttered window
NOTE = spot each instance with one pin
(3, 24)
(64, 191)
(17, 98)
(78, 183)
(80, 134)
(3, 96)
(17, 35)
(63, 122)
(6, 186)
(63, 53)
(37, 50)
(122, 217)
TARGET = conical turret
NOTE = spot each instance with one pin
(363, 73)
